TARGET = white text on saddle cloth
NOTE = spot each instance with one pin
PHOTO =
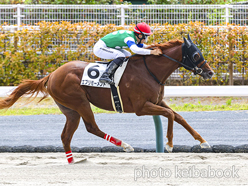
(93, 72)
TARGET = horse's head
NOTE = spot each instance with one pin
(192, 59)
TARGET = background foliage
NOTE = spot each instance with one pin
(32, 54)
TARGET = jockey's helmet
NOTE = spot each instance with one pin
(142, 28)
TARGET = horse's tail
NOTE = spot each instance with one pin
(26, 87)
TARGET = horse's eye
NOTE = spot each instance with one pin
(196, 56)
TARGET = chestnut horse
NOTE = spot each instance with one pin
(141, 88)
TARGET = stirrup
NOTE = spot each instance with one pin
(106, 80)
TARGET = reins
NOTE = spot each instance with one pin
(186, 66)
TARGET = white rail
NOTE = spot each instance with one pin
(124, 14)
(205, 91)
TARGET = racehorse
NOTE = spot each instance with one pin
(141, 87)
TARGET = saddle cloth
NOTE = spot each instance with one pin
(93, 72)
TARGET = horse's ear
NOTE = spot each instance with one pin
(189, 38)
(186, 42)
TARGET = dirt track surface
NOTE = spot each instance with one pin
(124, 169)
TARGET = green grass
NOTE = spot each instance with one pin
(29, 111)
(187, 107)
(39, 111)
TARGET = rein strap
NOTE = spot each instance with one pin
(177, 62)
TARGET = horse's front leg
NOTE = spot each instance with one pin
(179, 119)
(152, 109)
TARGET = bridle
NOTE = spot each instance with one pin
(197, 70)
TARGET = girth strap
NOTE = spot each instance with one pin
(116, 99)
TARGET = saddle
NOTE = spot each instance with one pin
(92, 74)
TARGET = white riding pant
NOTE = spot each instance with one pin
(101, 50)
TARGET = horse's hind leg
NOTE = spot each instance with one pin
(71, 125)
(88, 117)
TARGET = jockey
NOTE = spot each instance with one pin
(112, 46)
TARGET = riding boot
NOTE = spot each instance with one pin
(109, 72)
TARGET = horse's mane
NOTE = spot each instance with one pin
(168, 44)
(164, 46)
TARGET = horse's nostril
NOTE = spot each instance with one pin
(210, 73)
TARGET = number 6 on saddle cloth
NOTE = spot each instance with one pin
(92, 74)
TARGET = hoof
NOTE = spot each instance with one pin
(126, 147)
(168, 148)
(71, 163)
(205, 145)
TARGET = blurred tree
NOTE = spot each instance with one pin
(11, 2)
